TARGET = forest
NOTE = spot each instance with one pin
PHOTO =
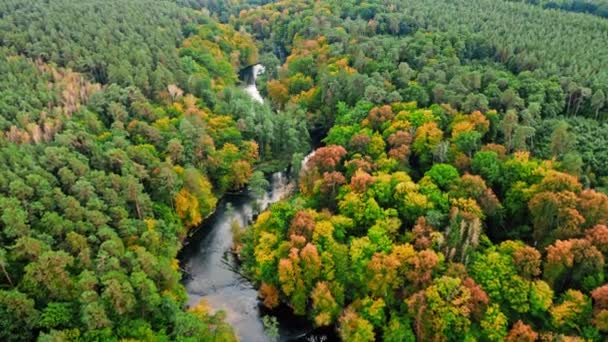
(459, 192)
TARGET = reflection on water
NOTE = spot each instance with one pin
(211, 273)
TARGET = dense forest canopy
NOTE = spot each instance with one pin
(493, 55)
(596, 7)
(459, 192)
(452, 198)
(120, 127)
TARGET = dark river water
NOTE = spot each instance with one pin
(212, 274)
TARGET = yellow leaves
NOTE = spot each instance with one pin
(172, 295)
(178, 169)
(178, 107)
(397, 125)
(306, 97)
(287, 276)
(427, 137)
(324, 304)
(468, 205)
(341, 65)
(242, 171)
(218, 123)
(150, 223)
(175, 264)
(461, 127)
(187, 208)
(164, 124)
(418, 200)
(323, 230)
(566, 313)
(278, 92)
(263, 218)
(541, 296)
(252, 150)
(405, 187)
(323, 319)
(403, 253)
(230, 149)
(201, 309)
(191, 105)
(521, 156)
(403, 107)
(264, 251)
(103, 135)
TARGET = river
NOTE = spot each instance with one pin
(212, 273)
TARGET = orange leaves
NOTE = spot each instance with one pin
(311, 263)
(423, 265)
(565, 256)
(600, 307)
(377, 116)
(479, 299)
(270, 295)
(422, 234)
(359, 142)
(384, 275)
(287, 276)
(317, 48)
(598, 236)
(331, 182)
(327, 158)
(555, 216)
(302, 224)
(461, 127)
(600, 298)
(527, 260)
(521, 332)
(559, 181)
(341, 65)
(361, 181)
(481, 123)
(500, 150)
(593, 206)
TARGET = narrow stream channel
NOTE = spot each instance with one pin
(212, 273)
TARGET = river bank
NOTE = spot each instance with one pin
(212, 271)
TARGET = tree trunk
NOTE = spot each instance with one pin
(7, 276)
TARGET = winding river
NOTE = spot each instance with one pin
(212, 273)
